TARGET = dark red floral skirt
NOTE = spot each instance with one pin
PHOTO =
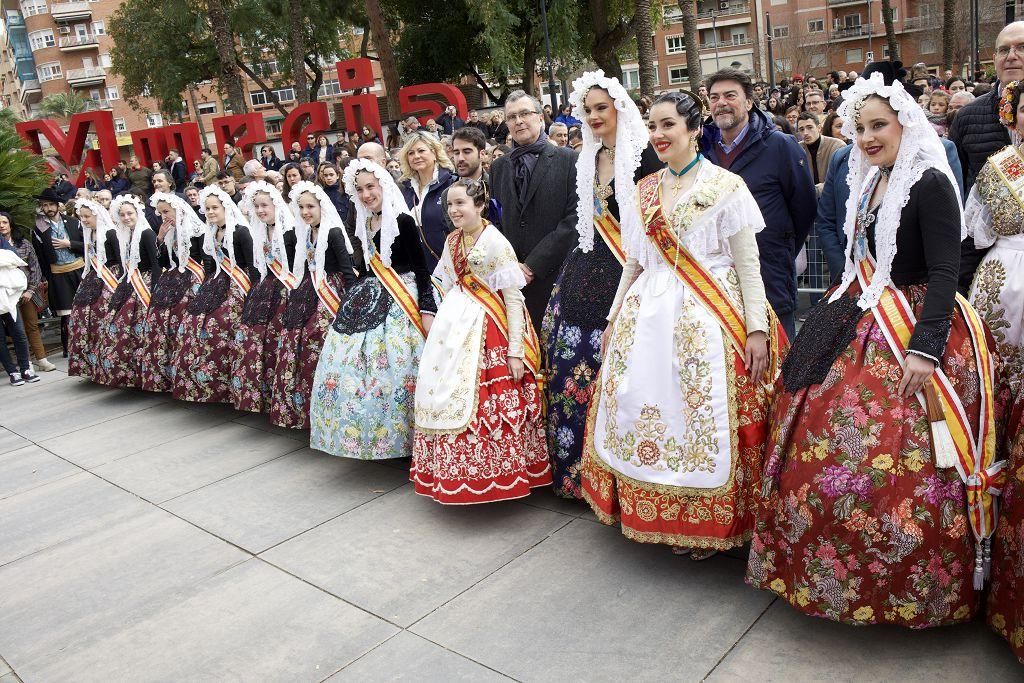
(202, 366)
(503, 452)
(162, 332)
(256, 340)
(118, 361)
(858, 525)
(86, 326)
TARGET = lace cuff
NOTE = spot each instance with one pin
(630, 272)
(978, 221)
(516, 322)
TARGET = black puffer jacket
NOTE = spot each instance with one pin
(977, 134)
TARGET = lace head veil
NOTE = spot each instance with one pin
(920, 149)
(631, 138)
(186, 226)
(329, 218)
(284, 221)
(392, 206)
(103, 224)
(129, 239)
(233, 217)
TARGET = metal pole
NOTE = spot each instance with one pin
(976, 44)
(871, 28)
(547, 48)
(771, 54)
(714, 29)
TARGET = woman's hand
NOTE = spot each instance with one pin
(916, 372)
(756, 355)
(26, 297)
(516, 367)
(165, 227)
(428, 321)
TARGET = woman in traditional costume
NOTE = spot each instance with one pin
(362, 400)
(995, 217)
(180, 242)
(885, 403)
(616, 154)
(479, 409)
(118, 350)
(204, 361)
(106, 250)
(323, 266)
(272, 227)
(675, 440)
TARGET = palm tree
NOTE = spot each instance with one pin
(63, 105)
(948, 33)
(890, 32)
(688, 9)
(645, 48)
(22, 177)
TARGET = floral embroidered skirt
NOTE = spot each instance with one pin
(858, 525)
(202, 366)
(365, 382)
(676, 430)
(255, 343)
(306, 321)
(118, 362)
(502, 454)
(162, 327)
(571, 334)
(86, 325)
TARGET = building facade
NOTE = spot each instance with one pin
(10, 83)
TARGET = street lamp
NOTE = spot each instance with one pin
(547, 48)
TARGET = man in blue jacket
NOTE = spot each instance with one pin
(744, 140)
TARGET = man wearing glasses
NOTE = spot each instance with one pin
(536, 186)
(977, 133)
(308, 152)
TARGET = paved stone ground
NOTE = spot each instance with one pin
(147, 540)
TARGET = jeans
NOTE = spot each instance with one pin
(16, 332)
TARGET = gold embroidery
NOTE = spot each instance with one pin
(985, 296)
(1007, 217)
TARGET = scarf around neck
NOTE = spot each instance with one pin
(524, 159)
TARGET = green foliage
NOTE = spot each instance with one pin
(7, 119)
(62, 105)
(22, 177)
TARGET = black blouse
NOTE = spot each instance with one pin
(928, 252)
(112, 247)
(649, 163)
(149, 256)
(407, 257)
(337, 259)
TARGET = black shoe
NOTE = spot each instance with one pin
(30, 376)
(16, 379)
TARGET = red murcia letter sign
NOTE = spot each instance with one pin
(70, 147)
(243, 130)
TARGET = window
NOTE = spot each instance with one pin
(783, 65)
(40, 39)
(677, 74)
(264, 69)
(780, 32)
(329, 89)
(928, 45)
(30, 8)
(895, 15)
(273, 127)
(120, 127)
(739, 37)
(104, 60)
(854, 55)
(631, 77)
(851, 21)
(818, 60)
(885, 51)
(357, 30)
(206, 108)
(113, 93)
(285, 94)
(50, 72)
(674, 45)
(260, 97)
(673, 15)
(816, 26)
(99, 28)
(154, 120)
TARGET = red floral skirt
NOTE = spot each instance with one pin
(502, 454)
(652, 513)
(202, 366)
(163, 335)
(858, 525)
(1006, 598)
(256, 351)
(118, 363)
(86, 327)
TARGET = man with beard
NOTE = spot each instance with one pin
(468, 144)
(61, 251)
(744, 140)
(540, 225)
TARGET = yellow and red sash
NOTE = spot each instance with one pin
(976, 453)
(327, 294)
(610, 231)
(398, 290)
(139, 285)
(236, 274)
(109, 280)
(196, 269)
(279, 270)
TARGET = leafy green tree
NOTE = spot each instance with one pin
(22, 177)
(62, 105)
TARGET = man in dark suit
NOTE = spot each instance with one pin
(179, 174)
(541, 225)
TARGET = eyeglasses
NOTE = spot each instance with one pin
(521, 115)
(1005, 50)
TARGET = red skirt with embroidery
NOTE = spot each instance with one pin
(256, 349)
(86, 325)
(202, 364)
(649, 513)
(502, 454)
(163, 332)
(118, 362)
(859, 526)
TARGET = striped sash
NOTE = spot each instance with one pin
(280, 270)
(328, 295)
(139, 285)
(236, 274)
(109, 280)
(196, 269)
(610, 231)
(398, 290)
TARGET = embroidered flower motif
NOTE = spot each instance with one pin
(476, 256)
(863, 613)
(703, 196)
(648, 452)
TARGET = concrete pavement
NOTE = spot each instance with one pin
(143, 539)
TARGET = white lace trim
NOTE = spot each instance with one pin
(506, 276)
(978, 221)
(99, 239)
(329, 219)
(261, 233)
(392, 206)
(186, 226)
(233, 217)
(129, 238)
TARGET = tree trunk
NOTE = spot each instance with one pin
(297, 40)
(224, 42)
(948, 33)
(890, 32)
(264, 86)
(645, 48)
(688, 8)
(199, 119)
(386, 55)
(316, 81)
(530, 62)
(607, 39)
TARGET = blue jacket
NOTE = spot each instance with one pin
(775, 170)
(433, 230)
(831, 218)
(569, 120)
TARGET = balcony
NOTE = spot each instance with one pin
(918, 23)
(726, 44)
(97, 105)
(733, 9)
(70, 11)
(840, 3)
(74, 43)
(80, 78)
(29, 91)
(848, 32)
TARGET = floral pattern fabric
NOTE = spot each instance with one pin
(202, 366)
(858, 525)
(363, 389)
(86, 327)
(124, 333)
(253, 364)
(162, 328)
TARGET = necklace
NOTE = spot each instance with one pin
(610, 151)
(678, 175)
(468, 244)
(886, 171)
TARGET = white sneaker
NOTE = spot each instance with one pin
(45, 366)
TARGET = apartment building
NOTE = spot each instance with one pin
(10, 84)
